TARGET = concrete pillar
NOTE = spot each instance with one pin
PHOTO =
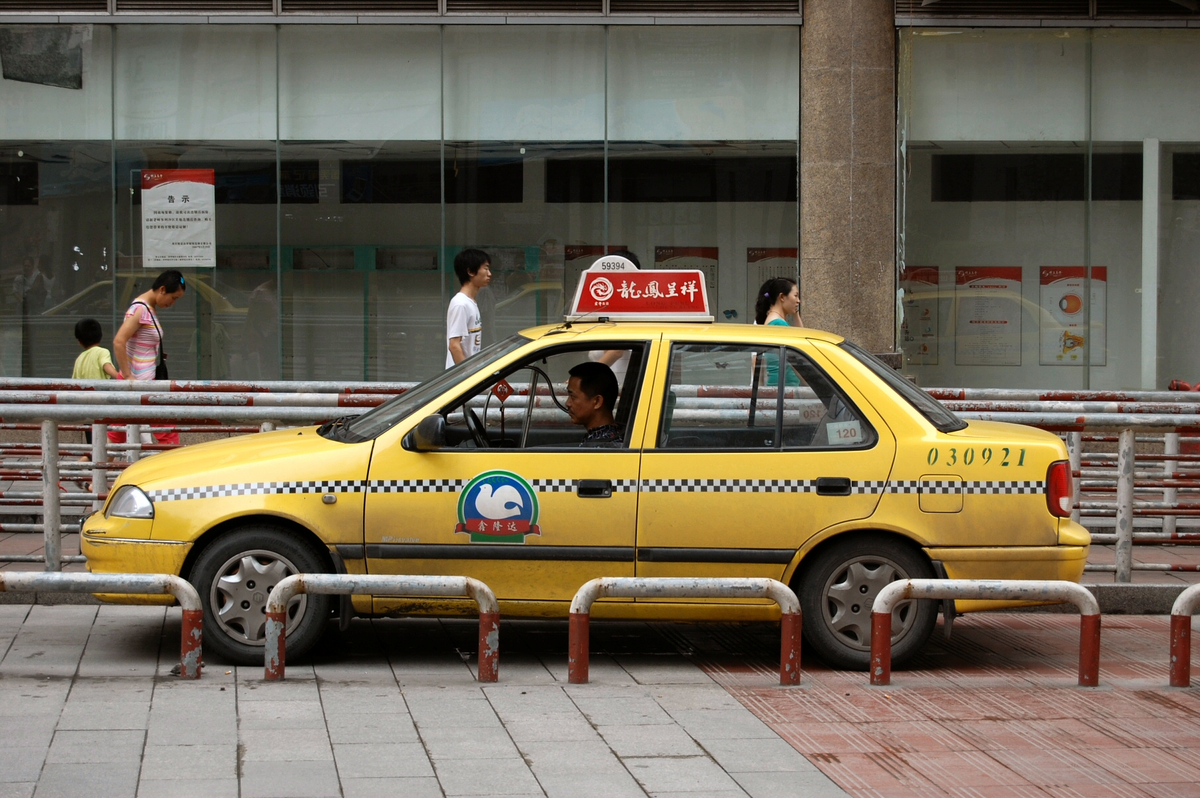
(848, 170)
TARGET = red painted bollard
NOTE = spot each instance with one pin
(578, 647)
(276, 645)
(1089, 650)
(489, 646)
(881, 648)
(789, 648)
(190, 654)
(1181, 650)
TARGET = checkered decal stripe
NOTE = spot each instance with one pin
(619, 486)
(257, 489)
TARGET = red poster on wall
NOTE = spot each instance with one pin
(178, 218)
(988, 325)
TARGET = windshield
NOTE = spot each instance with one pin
(378, 420)
(933, 410)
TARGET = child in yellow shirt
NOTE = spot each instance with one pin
(95, 362)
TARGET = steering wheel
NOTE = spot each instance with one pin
(475, 426)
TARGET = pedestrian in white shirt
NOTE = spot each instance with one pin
(464, 326)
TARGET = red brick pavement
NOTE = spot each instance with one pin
(996, 710)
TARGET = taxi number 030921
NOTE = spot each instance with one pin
(1002, 455)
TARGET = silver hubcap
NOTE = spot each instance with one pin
(851, 591)
(240, 591)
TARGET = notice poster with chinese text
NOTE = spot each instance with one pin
(987, 329)
(178, 219)
(919, 328)
(1065, 317)
(702, 258)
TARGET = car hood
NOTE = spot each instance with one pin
(279, 456)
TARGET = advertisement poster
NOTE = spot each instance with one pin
(178, 219)
(1064, 332)
(577, 258)
(702, 258)
(987, 329)
(919, 328)
(764, 263)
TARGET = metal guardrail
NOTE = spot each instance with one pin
(190, 649)
(1127, 488)
(1181, 636)
(578, 646)
(385, 585)
(1051, 591)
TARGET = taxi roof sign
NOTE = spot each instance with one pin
(613, 288)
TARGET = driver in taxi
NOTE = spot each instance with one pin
(591, 397)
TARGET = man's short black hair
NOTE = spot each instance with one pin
(597, 379)
(88, 332)
(467, 263)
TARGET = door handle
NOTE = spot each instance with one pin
(594, 488)
(833, 486)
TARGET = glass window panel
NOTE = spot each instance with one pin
(178, 82)
(55, 194)
(703, 83)
(359, 82)
(524, 83)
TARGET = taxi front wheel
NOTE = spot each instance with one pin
(837, 590)
(234, 576)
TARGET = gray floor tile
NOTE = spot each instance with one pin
(721, 724)
(280, 715)
(189, 762)
(83, 715)
(488, 742)
(586, 758)
(94, 780)
(628, 710)
(551, 727)
(696, 774)
(376, 728)
(649, 741)
(600, 785)
(486, 777)
(289, 780)
(788, 785)
(71, 747)
(21, 764)
(391, 788)
(749, 755)
(188, 788)
(13, 789)
(382, 760)
(261, 745)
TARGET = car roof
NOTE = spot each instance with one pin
(691, 330)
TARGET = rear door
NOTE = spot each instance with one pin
(734, 480)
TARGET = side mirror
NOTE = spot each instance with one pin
(428, 436)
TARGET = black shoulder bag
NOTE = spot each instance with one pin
(160, 368)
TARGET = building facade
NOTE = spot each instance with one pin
(1003, 200)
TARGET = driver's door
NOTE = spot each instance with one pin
(514, 500)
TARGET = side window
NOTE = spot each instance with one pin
(729, 397)
(538, 404)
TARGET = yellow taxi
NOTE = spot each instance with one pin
(731, 450)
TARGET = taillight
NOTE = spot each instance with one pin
(1060, 493)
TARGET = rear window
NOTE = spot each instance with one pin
(933, 410)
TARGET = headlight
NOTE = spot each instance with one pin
(130, 502)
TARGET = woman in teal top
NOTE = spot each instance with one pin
(778, 300)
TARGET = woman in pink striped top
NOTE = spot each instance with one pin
(138, 342)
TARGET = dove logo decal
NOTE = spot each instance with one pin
(498, 507)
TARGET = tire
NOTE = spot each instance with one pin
(234, 576)
(836, 592)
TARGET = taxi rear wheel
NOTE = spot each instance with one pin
(234, 576)
(836, 593)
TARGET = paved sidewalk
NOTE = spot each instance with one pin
(88, 708)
